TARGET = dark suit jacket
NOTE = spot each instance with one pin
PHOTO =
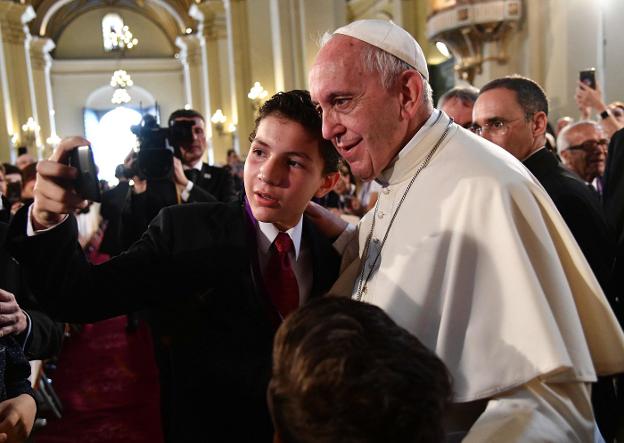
(580, 208)
(613, 192)
(215, 181)
(46, 335)
(113, 202)
(613, 201)
(196, 263)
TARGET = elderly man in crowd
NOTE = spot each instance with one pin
(464, 249)
(458, 102)
(583, 147)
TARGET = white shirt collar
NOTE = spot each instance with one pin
(269, 232)
(197, 165)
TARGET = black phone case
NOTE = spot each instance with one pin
(87, 184)
(588, 77)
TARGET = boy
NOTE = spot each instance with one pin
(211, 266)
(343, 371)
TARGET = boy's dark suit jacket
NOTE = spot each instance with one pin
(197, 263)
(46, 335)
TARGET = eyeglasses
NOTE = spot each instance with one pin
(590, 145)
(494, 127)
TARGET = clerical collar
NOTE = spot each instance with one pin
(269, 232)
(533, 153)
(414, 141)
(420, 134)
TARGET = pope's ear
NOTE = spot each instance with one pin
(329, 181)
(412, 87)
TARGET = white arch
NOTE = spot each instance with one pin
(60, 3)
(100, 98)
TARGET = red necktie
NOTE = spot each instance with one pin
(280, 280)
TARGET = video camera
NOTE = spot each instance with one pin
(157, 146)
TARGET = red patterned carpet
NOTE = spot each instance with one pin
(108, 383)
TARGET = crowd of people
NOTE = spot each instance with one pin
(379, 270)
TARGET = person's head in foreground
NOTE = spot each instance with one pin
(289, 162)
(370, 82)
(343, 371)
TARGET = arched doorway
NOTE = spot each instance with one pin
(111, 139)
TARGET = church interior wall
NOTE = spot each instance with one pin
(554, 40)
(74, 81)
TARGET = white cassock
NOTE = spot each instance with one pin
(480, 266)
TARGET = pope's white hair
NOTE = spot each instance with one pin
(387, 65)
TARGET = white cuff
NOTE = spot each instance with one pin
(340, 244)
(184, 195)
(28, 330)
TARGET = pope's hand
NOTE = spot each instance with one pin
(328, 223)
(54, 192)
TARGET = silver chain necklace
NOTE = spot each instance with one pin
(362, 279)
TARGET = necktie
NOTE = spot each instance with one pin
(280, 280)
(192, 174)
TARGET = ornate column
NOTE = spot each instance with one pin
(239, 69)
(210, 17)
(16, 80)
(41, 62)
(286, 23)
(190, 58)
(317, 17)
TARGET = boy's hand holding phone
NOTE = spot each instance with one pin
(55, 192)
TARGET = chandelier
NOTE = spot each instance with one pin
(121, 80)
(120, 39)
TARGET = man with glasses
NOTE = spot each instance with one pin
(583, 150)
(513, 112)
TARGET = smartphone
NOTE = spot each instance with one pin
(87, 184)
(588, 76)
(14, 191)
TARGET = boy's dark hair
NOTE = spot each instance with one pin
(343, 371)
(185, 113)
(530, 95)
(296, 105)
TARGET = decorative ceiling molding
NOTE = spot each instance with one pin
(53, 16)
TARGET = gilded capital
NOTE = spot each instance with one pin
(13, 20)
